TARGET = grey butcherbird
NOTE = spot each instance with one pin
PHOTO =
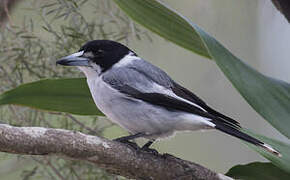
(142, 98)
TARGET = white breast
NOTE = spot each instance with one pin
(115, 106)
(103, 95)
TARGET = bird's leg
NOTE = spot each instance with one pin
(146, 148)
(126, 139)
(148, 144)
(130, 137)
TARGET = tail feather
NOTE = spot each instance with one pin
(268, 148)
(236, 132)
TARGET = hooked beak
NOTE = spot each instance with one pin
(75, 59)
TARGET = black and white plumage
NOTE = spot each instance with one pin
(142, 98)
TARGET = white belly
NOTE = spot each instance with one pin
(140, 117)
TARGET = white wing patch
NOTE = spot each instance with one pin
(160, 89)
(129, 58)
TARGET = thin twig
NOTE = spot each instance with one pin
(5, 6)
(91, 131)
(5, 2)
(54, 169)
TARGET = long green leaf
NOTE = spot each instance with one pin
(269, 97)
(63, 95)
(160, 20)
(257, 170)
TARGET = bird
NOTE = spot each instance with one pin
(143, 99)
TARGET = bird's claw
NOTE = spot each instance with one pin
(149, 150)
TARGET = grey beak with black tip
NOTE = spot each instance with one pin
(75, 59)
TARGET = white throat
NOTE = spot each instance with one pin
(91, 72)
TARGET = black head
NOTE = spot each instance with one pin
(104, 53)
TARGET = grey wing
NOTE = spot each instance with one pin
(151, 85)
(138, 85)
(147, 78)
(152, 72)
(140, 75)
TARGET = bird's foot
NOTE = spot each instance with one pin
(149, 150)
(126, 140)
(129, 143)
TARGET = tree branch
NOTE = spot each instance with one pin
(113, 156)
(284, 7)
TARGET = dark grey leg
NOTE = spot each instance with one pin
(148, 144)
(130, 137)
(126, 139)
(146, 148)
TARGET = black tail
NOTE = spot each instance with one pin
(236, 132)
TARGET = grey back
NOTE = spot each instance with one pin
(139, 74)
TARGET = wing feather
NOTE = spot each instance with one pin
(144, 81)
(188, 95)
(165, 101)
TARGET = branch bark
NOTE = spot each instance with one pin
(115, 157)
(284, 7)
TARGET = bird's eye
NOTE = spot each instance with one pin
(100, 51)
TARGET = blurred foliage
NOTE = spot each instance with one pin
(49, 30)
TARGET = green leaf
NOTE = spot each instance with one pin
(257, 170)
(63, 95)
(284, 148)
(165, 22)
(268, 96)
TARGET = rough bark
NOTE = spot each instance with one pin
(115, 157)
(284, 7)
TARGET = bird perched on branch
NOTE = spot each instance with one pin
(143, 99)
